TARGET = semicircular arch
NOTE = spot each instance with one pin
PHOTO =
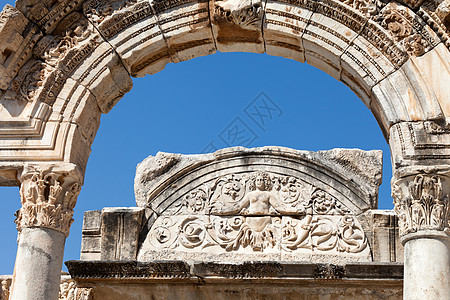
(72, 60)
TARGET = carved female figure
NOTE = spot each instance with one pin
(261, 200)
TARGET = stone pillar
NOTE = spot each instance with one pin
(48, 195)
(421, 199)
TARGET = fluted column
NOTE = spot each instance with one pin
(48, 196)
(421, 200)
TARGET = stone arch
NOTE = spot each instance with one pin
(71, 61)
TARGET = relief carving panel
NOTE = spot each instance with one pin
(257, 212)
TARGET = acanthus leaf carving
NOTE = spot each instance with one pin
(421, 204)
(28, 82)
(316, 233)
(323, 234)
(48, 199)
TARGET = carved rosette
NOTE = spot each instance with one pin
(48, 199)
(421, 203)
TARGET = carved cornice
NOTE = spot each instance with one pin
(421, 202)
(83, 271)
(48, 198)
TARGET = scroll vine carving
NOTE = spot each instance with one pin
(48, 200)
(423, 207)
(316, 233)
(257, 212)
(28, 82)
(323, 234)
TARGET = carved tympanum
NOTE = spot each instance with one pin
(259, 211)
(420, 204)
(48, 199)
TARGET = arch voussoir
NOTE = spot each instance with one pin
(379, 50)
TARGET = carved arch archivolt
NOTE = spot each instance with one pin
(63, 63)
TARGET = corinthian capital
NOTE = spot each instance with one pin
(48, 197)
(421, 202)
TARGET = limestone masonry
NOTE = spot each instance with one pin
(65, 62)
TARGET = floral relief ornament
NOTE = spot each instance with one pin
(397, 21)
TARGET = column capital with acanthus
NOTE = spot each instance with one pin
(48, 195)
(421, 201)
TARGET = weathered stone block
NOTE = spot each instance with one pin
(120, 229)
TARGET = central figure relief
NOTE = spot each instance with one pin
(260, 200)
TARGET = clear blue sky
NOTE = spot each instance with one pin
(186, 106)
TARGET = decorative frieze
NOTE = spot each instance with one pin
(48, 198)
(421, 202)
(258, 212)
(68, 290)
(409, 31)
(259, 234)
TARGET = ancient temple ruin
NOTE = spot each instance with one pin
(269, 222)
(64, 63)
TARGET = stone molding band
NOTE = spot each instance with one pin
(88, 270)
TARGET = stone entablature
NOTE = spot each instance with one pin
(248, 280)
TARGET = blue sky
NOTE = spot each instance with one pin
(185, 107)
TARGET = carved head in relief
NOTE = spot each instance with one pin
(260, 181)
